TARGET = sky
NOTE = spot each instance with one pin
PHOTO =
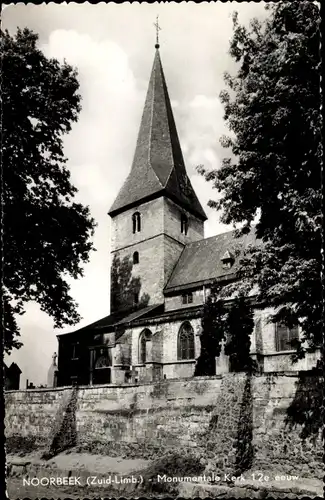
(112, 47)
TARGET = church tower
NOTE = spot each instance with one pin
(156, 212)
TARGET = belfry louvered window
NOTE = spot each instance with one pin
(185, 341)
(136, 222)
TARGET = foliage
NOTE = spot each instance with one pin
(46, 233)
(273, 173)
(244, 439)
(231, 323)
(125, 286)
(213, 333)
(17, 444)
(172, 464)
(239, 327)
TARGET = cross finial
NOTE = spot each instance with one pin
(158, 28)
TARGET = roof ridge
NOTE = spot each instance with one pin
(219, 234)
(209, 237)
(151, 121)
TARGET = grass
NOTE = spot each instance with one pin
(173, 465)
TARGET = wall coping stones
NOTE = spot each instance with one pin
(278, 374)
(114, 386)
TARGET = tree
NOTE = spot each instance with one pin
(273, 173)
(239, 327)
(213, 332)
(47, 235)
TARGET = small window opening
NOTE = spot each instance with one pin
(227, 260)
(136, 258)
(136, 298)
(184, 224)
(136, 222)
(75, 351)
(187, 298)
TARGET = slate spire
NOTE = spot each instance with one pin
(158, 167)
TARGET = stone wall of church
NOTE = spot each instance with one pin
(173, 302)
(224, 420)
(163, 349)
(174, 368)
(263, 341)
(152, 223)
(147, 277)
(172, 223)
(159, 245)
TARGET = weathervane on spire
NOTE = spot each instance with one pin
(158, 28)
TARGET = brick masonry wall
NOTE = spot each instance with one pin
(209, 416)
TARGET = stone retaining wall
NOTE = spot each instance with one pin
(233, 421)
(288, 424)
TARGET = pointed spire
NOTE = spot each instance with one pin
(158, 167)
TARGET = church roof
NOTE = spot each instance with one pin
(117, 319)
(202, 261)
(158, 166)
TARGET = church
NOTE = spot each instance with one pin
(162, 269)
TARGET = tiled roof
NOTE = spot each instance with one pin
(201, 261)
(142, 313)
(116, 319)
(158, 166)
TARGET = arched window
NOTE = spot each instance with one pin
(136, 258)
(145, 336)
(184, 224)
(185, 341)
(136, 222)
(285, 337)
(102, 358)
